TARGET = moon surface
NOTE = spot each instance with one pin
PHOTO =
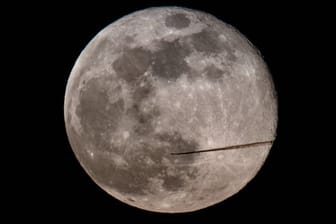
(163, 81)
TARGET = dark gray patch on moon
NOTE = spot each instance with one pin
(169, 62)
(213, 73)
(179, 145)
(208, 41)
(178, 21)
(143, 125)
(132, 64)
(131, 67)
(97, 115)
(143, 119)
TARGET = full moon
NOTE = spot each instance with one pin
(164, 81)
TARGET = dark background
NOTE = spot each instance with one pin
(50, 184)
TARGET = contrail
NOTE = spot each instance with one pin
(225, 148)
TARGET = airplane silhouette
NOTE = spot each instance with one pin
(225, 148)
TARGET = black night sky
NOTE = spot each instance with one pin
(51, 183)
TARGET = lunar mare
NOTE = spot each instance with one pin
(170, 80)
